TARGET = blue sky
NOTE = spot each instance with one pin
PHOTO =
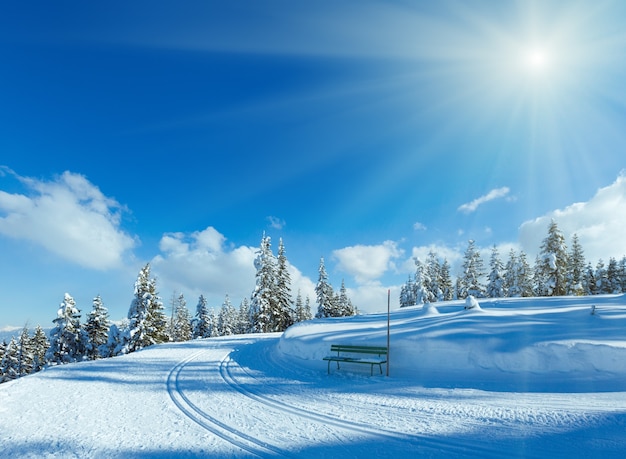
(362, 132)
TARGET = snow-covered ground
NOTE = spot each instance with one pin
(539, 377)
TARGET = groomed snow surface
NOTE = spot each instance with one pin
(539, 377)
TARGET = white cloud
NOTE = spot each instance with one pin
(201, 263)
(417, 226)
(372, 297)
(276, 222)
(367, 262)
(493, 194)
(69, 217)
(599, 224)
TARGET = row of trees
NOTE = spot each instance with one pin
(557, 271)
(271, 309)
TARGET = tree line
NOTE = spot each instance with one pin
(556, 271)
(270, 309)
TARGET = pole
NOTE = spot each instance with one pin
(388, 313)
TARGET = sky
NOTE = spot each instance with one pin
(366, 133)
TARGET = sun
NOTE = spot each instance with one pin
(537, 61)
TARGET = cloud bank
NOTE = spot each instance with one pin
(68, 216)
(599, 223)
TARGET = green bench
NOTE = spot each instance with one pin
(355, 354)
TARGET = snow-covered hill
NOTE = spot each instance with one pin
(512, 378)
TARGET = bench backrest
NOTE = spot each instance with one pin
(378, 350)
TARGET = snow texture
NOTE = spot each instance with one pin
(533, 377)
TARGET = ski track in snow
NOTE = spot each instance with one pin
(263, 396)
(327, 418)
(227, 432)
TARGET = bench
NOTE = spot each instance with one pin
(347, 353)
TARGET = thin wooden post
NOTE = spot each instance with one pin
(388, 325)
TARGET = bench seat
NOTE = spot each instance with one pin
(346, 353)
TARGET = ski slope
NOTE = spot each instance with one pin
(511, 378)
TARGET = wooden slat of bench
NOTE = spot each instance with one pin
(359, 349)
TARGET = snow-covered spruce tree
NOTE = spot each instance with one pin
(3, 349)
(510, 278)
(432, 278)
(243, 320)
(325, 295)
(496, 284)
(525, 276)
(147, 324)
(308, 313)
(283, 315)
(181, 321)
(622, 273)
(25, 355)
(602, 278)
(9, 364)
(116, 342)
(68, 340)
(407, 294)
(575, 268)
(40, 346)
(227, 318)
(97, 328)
(552, 263)
(473, 272)
(613, 273)
(589, 280)
(263, 301)
(344, 305)
(446, 287)
(302, 311)
(419, 286)
(201, 322)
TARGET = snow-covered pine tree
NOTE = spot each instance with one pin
(325, 295)
(25, 356)
(344, 305)
(575, 268)
(614, 280)
(147, 324)
(307, 308)
(181, 323)
(68, 340)
(419, 286)
(407, 294)
(432, 278)
(510, 278)
(471, 283)
(524, 276)
(552, 263)
(622, 273)
(10, 362)
(589, 280)
(227, 318)
(301, 313)
(201, 322)
(446, 287)
(3, 349)
(283, 315)
(243, 320)
(97, 328)
(602, 278)
(263, 301)
(496, 284)
(40, 346)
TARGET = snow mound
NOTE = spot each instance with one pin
(540, 343)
